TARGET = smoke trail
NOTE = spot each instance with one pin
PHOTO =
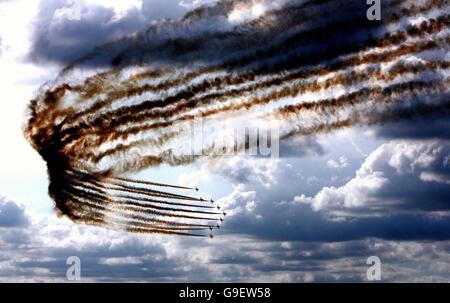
(395, 71)
(309, 66)
(192, 90)
(104, 87)
(119, 118)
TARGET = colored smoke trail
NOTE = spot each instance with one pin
(306, 66)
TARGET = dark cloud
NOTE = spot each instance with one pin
(156, 9)
(433, 127)
(201, 35)
(60, 37)
(38, 252)
(400, 192)
(110, 262)
(300, 147)
(292, 222)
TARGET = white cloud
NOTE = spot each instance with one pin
(120, 261)
(398, 176)
(248, 10)
(239, 201)
(341, 163)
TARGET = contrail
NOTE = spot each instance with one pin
(309, 66)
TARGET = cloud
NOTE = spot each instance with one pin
(399, 192)
(251, 214)
(341, 163)
(157, 9)
(64, 31)
(434, 127)
(11, 214)
(38, 252)
(300, 147)
(201, 35)
(400, 176)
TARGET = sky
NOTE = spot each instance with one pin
(313, 215)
